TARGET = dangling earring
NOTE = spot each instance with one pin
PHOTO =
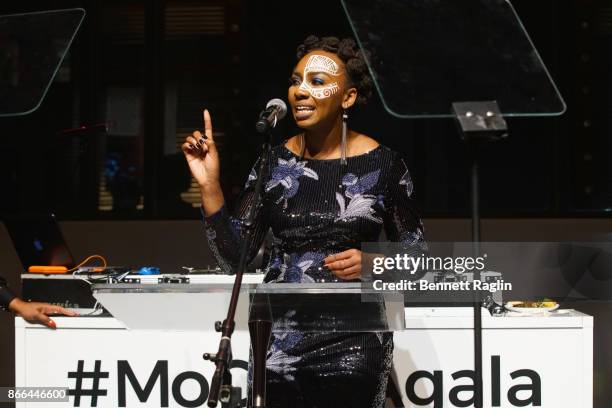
(344, 132)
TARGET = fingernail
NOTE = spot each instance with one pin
(205, 137)
(202, 140)
(52, 324)
(191, 146)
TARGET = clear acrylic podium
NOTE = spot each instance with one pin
(273, 307)
(318, 307)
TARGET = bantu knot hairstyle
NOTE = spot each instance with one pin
(353, 58)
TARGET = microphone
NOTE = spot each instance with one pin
(275, 110)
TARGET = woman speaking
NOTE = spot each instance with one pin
(327, 190)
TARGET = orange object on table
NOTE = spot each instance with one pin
(47, 269)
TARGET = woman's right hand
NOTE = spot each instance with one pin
(37, 312)
(202, 156)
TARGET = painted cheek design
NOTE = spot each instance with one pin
(321, 92)
(326, 91)
(320, 63)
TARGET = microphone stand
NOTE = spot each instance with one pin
(221, 385)
(478, 123)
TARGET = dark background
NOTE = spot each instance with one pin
(149, 67)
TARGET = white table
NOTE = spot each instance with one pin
(547, 358)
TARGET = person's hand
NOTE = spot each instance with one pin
(345, 265)
(36, 312)
(201, 154)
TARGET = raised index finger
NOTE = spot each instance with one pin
(208, 131)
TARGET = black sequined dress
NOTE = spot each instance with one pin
(316, 208)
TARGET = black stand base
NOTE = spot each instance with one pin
(478, 122)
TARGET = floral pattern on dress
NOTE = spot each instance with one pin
(251, 179)
(281, 363)
(287, 174)
(278, 358)
(414, 239)
(294, 270)
(407, 181)
(360, 204)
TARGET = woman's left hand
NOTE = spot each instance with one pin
(345, 265)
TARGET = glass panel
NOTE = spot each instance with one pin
(329, 307)
(32, 48)
(428, 54)
(308, 308)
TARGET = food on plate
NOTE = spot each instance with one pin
(544, 303)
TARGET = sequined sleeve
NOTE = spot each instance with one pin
(225, 231)
(402, 221)
(6, 296)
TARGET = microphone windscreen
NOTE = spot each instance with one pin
(280, 104)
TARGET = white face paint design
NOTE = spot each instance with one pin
(320, 63)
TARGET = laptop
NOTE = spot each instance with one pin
(38, 240)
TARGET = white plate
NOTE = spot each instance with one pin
(531, 310)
